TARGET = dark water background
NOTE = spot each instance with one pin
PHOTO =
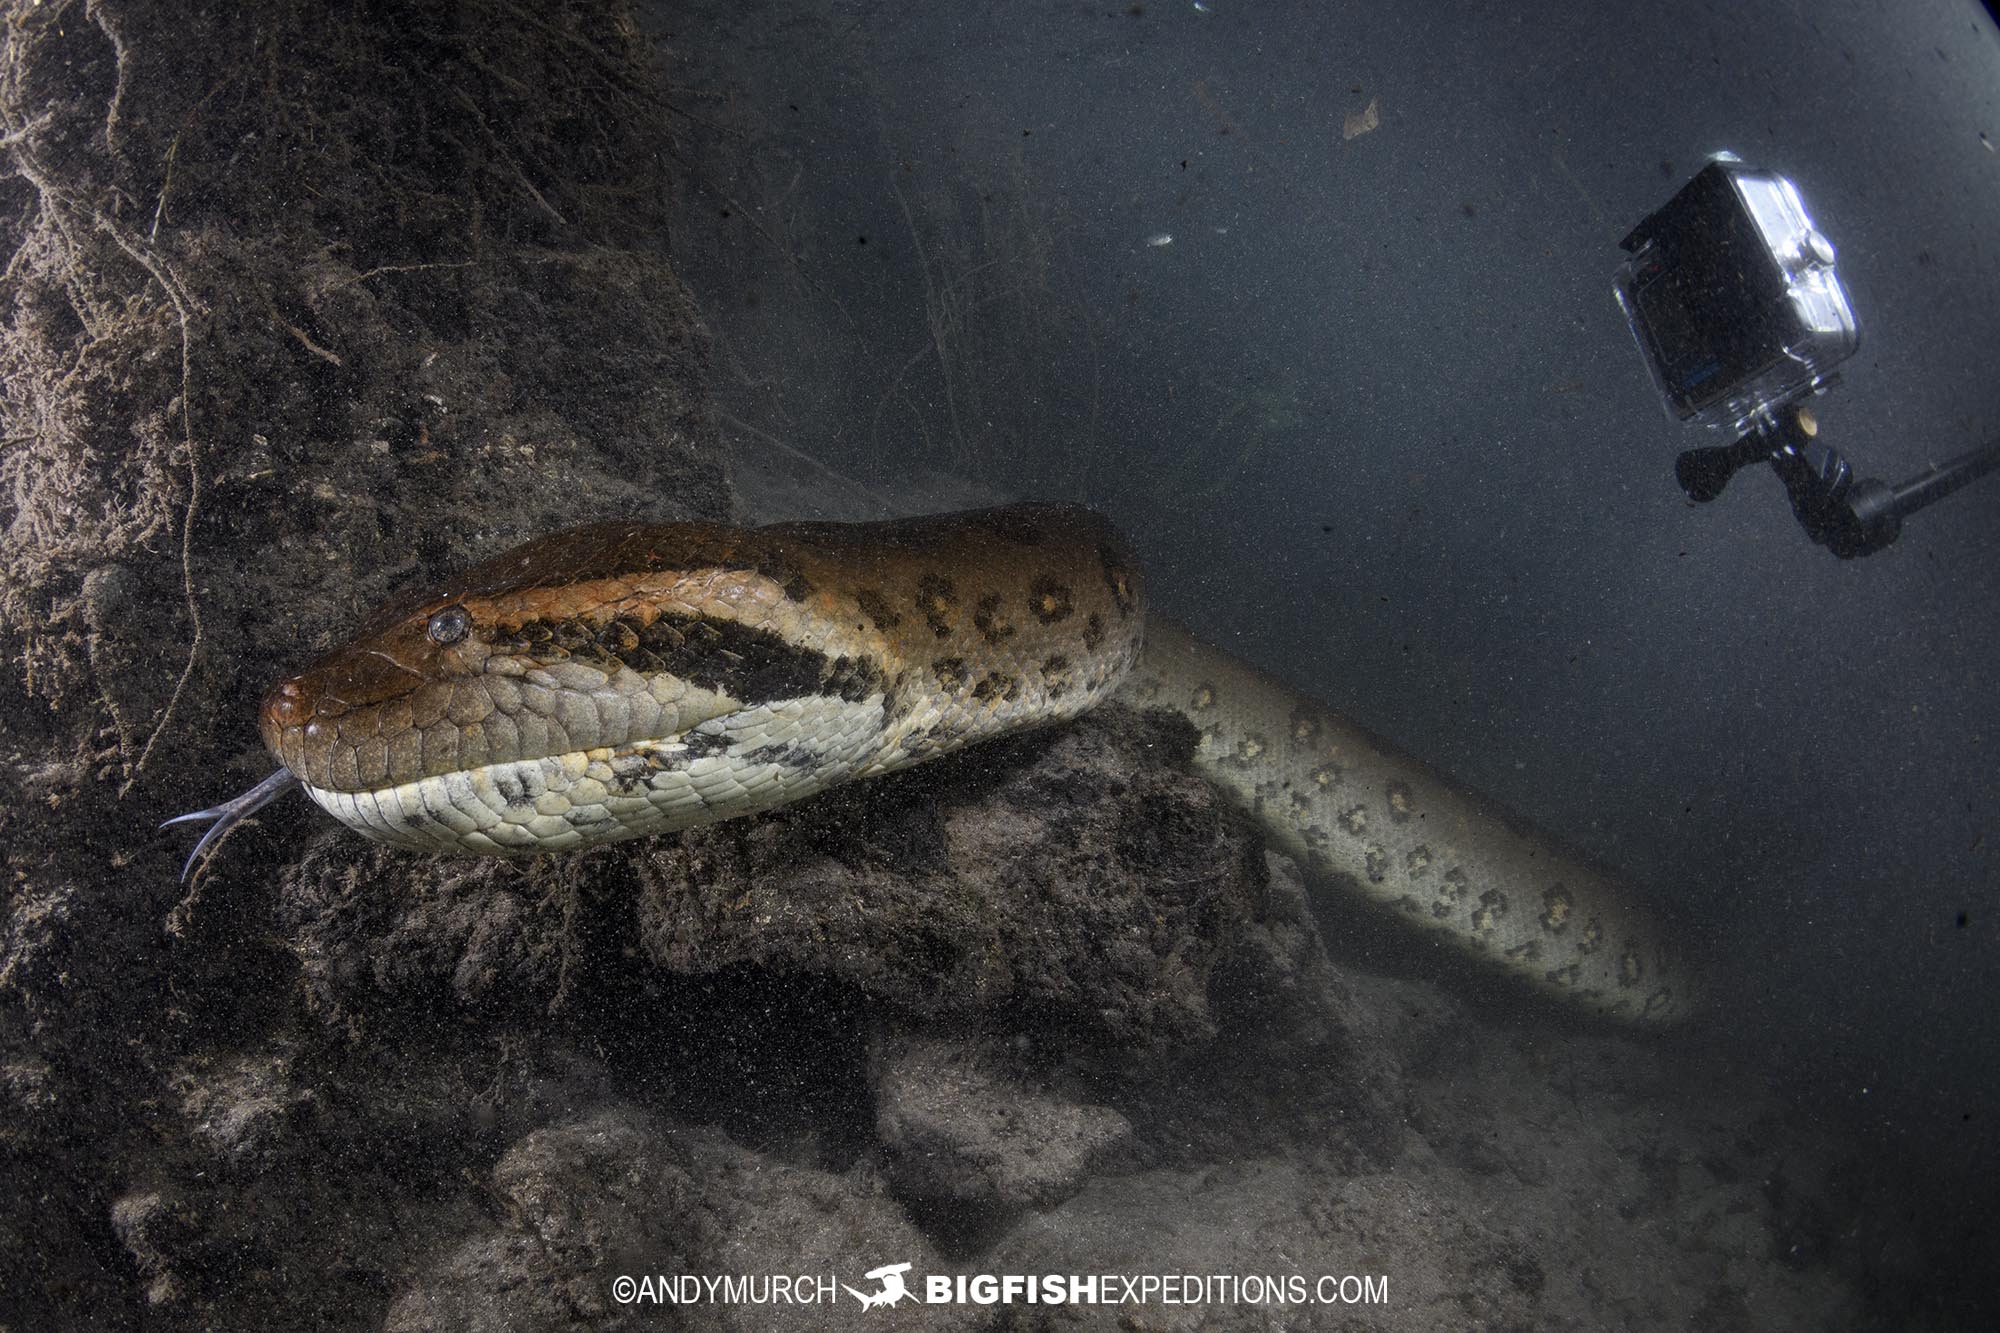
(1375, 422)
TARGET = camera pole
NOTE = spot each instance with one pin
(1850, 518)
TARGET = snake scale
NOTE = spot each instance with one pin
(625, 679)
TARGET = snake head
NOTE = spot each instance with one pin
(362, 714)
(625, 679)
(589, 639)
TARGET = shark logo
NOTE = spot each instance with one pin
(893, 1290)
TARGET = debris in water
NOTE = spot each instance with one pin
(1360, 122)
(1158, 239)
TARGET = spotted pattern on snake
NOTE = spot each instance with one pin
(1358, 816)
(626, 679)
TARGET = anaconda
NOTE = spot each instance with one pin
(627, 679)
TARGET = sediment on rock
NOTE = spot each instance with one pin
(300, 303)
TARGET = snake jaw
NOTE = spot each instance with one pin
(233, 812)
(740, 761)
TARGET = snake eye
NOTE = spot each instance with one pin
(450, 625)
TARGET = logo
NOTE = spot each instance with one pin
(893, 1290)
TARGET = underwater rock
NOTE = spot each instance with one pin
(243, 1109)
(623, 1192)
(605, 1193)
(156, 1226)
(956, 1129)
(1079, 881)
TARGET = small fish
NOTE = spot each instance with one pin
(1160, 238)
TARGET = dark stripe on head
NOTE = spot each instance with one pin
(746, 663)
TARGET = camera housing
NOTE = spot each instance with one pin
(1733, 298)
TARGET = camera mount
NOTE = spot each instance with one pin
(1849, 517)
(1732, 296)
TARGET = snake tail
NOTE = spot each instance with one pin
(1359, 816)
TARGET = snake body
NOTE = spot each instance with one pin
(626, 679)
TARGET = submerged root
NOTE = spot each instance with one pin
(256, 223)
